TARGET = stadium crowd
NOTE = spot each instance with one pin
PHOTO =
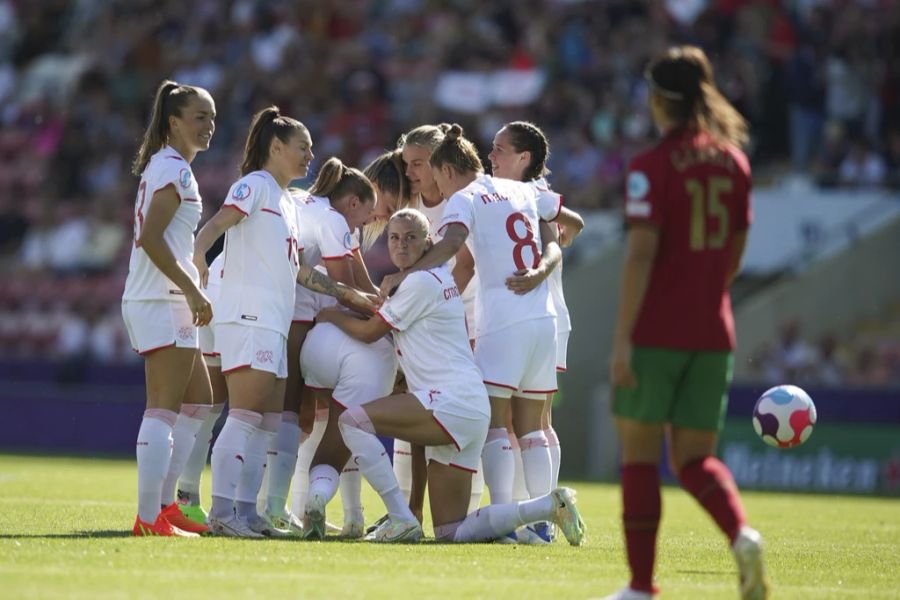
(819, 81)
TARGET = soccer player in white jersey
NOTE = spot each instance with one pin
(162, 304)
(338, 203)
(256, 300)
(520, 151)
(515, 345)
(416, 147)
(447, 408)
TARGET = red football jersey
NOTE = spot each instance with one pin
(696, 191)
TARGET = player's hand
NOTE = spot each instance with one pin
(201, 307)
(620, 372)
(202, 269)
(525, 280)
(390, 283)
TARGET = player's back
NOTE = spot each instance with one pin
(695, 190)
(323, 232)
(503, 218)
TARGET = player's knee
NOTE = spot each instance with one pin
(356, 417)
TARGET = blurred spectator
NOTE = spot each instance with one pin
(75, 78)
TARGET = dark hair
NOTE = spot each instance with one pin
(387, 174)
(267, 124)
(528, 137)
(683, 78)
(336, 180)
(456, 151)
(426, 136)
(170, 98)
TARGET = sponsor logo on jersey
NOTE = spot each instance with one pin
(184, 178)
(432, 394)
(241, 192)
(249, 318)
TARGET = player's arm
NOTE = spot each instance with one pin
(361, 274)
(313, 280)
(162, 210)
(212, 230)
(525, 280)
(455, 235)
(571, 224)
(464, 269)
(642, 244)
(342, 271)
(738, 244)
(365, 330)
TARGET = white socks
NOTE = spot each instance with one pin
(189, 481)
(154, 451)
(305, 455)
(282, 462)
(323, 483)
(477, 489)
(499, 465)
(370, 455)
(228, 457)
(255, 462)
(184, 435)
(536, 463)
(555, 456)
(351, 492)
(519, 489)
(403, 466)
(497, 520)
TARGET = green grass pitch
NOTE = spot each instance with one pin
(65, 524)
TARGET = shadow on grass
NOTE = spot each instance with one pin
(75, 535)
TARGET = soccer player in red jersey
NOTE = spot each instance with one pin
(688, 210)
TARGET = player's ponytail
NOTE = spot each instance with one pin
(266, 124)
(336, 180)
(170, 98)
(387, 175)
(455, 150)
(528, 137)
(682, 80)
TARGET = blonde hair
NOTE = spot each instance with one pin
(426, 136)
(682, 78)
(417, 217)
(170, 98)
(387, 174)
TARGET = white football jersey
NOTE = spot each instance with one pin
(429, 325)
(563, 322)
(262, 256)
(434, 214)
(503, 218)
(324, 235)
(214, 281)
(145, 281)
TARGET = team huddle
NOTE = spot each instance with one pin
(455, 356)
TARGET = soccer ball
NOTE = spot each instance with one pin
(784, 416)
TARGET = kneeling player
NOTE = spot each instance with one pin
(447, 411)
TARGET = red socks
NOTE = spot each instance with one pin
(710, 482)
(640, 517)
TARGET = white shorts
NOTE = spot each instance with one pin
(519, 360)
(241, 347)
(156, 324)
(355, 372)
(467, 432)
(208, 346)
(562, 346)
(308, 303)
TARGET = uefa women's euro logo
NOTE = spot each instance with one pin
(241, 192)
